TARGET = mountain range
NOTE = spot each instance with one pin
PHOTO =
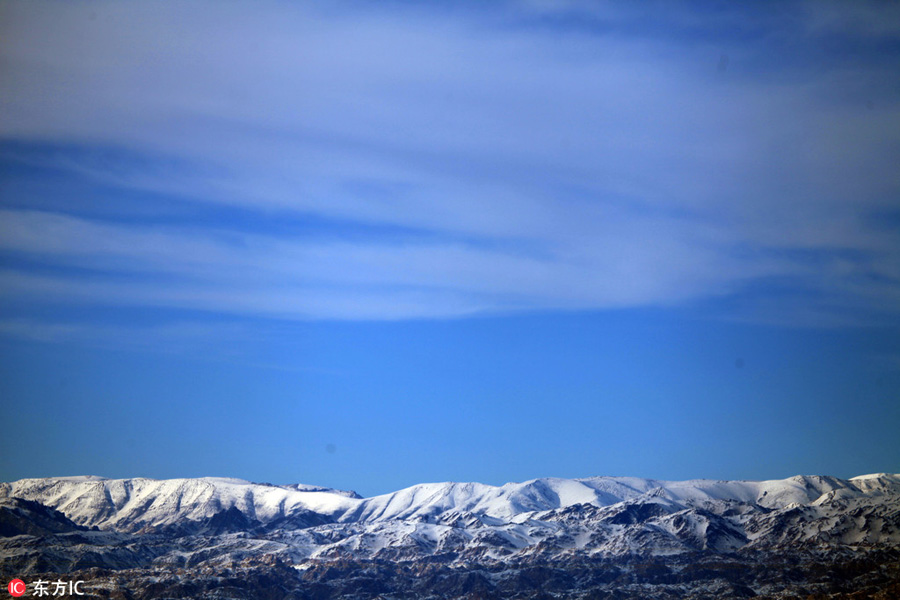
(592, 537)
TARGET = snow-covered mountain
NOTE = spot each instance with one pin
(599, 514)
(131, 505)
(62, 524)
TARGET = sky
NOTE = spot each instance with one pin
(371, 244)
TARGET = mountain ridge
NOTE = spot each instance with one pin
(129, 505)
(597, 534)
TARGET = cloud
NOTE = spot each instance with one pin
(452, 163)
(287, 277)
(38, 330)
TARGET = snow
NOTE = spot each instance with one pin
(129, 503)
(874, 476)
(497, 520)
(602, 516)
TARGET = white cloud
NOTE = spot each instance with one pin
(541, 167)
(286, 277)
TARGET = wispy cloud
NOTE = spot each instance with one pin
(238, 271)
(498, 160)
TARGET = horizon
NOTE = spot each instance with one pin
(365, 245)
(323, 488)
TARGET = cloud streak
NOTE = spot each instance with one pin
(494, 161)
(290, 277)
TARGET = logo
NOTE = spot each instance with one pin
(16, 587)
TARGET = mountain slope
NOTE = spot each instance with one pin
(134, 504)
(598, 515)
(607, 537)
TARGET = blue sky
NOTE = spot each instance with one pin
(373, 244)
